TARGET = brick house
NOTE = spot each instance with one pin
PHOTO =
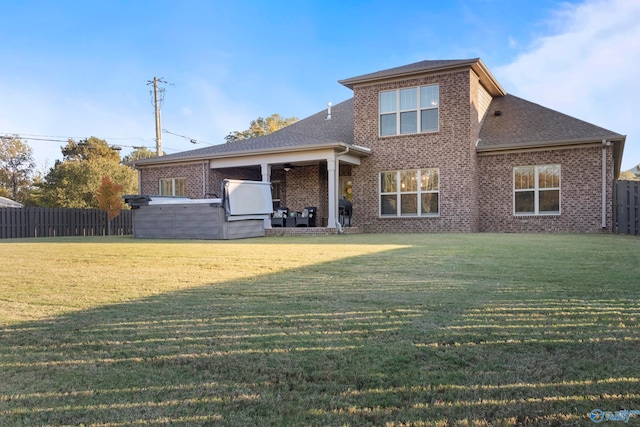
(427, 147)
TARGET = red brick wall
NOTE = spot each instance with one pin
(580, 191)
(196, 173)
(303, 188)
(451, 149)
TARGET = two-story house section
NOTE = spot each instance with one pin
(421, 122)
(427, 147)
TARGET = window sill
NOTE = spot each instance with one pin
(431, 132)
(533, 215)
(408, 216)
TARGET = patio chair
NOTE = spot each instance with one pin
(307, 218)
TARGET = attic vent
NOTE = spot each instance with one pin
(497, 113)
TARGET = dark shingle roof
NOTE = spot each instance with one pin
(417, 67)
(524, 123)
(313, 130)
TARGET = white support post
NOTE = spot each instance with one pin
(266, 177)
(333, 198)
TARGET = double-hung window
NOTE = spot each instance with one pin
(173, 187)
(536, 190)
(409, 192)
(410, 110)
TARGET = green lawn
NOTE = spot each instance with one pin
(351, 330)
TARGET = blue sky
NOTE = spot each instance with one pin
(77, 69)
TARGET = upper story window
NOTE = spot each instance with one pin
(173, 187)
(536, 190)
(411, 110)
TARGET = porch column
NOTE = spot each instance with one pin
(266, 177)
(332, 172)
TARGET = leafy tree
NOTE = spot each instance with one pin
(88, 149)
(261, 127)
(74, 182)
(16, 168)
(139, 153)
(110, 199)
(628, 176)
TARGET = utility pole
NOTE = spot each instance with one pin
(158, 98)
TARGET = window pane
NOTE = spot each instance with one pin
(429, 97)
(388, 205)
(409, 122)
(549, 201)
(408, 181)
(275, 190)
(388, 102)
(524, 178)
(429, 203)
(388, 124)
(549, 176)
(525, 202)
(429, 179)
(388, 182)
(409, 99)
(166, 187)
(408, 204)
(429, 120)
(181, 187)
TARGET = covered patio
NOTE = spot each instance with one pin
(302, 177)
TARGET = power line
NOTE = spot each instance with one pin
(60, 138)
(191, 140)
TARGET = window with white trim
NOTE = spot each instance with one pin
(410, 110)
(536, 190)
(413, 192)
(173, 187)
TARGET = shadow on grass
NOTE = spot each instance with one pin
(318, 346)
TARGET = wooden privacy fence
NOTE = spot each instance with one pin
(56, 222)
(627, 207)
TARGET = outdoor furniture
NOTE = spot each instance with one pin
(290, 221)
(307, 217)
(277, 222)
(279, 217)
(345, 211)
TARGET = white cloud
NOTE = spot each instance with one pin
(586, 68)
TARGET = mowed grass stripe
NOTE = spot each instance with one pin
(394, 330)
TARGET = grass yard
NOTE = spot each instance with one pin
(381, 330)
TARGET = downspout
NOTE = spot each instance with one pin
(605, 144)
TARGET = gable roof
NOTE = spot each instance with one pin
(431, 66)
(521, 124)
(311, 132)
(513, 122)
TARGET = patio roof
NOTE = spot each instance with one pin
(311, 133)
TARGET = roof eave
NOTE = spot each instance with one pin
(551, 143)
(351, 82)
(362, 151)
(487, 80)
